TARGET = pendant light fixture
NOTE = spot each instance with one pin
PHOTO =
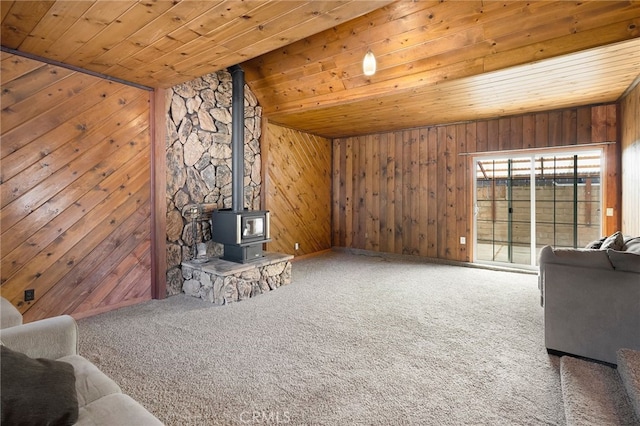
(369, 64)
(369, 61)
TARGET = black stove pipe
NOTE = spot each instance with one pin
(237, 139)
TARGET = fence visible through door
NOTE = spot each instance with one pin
(524, 203)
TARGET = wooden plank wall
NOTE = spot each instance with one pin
(630, 145)
(410, 191)
(297, 190)
(75, 190)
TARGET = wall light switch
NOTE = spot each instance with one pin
(296, 246)
(463, 240)
(609, 211)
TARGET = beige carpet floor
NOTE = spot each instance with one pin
(594, 394)
(354, 340)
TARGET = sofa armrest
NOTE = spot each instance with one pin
(591, 312)
(9, 315)
(546, 253)
(583, 258)
(50, 338)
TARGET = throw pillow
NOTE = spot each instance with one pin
(624, 261)
(596, 244)
(36, 391)
(614, 241)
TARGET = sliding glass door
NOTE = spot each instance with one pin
(523, 203)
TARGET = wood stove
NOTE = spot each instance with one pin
(241, 231)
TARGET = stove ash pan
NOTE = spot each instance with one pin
(241, 228)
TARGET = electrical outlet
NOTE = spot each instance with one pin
(29, 295)
(296, 246)
(463, 240)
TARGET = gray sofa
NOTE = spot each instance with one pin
(99, 399)
(591, 299)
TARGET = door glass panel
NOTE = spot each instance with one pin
(503, 210)
(500, 247)
(567, 199)
(485, 210)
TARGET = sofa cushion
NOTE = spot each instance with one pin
(624, 261)
(632, 245)
(91, 383)
(116, 409)
(36, 391)
(584, 258)
(614, 241)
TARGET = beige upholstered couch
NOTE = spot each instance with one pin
(591, 300)
(100, 400)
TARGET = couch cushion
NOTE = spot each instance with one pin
(624, 261)
(614, 241)
(576, 257)
(91, 383)
(36, 391)
(116, 409)
(632, 245)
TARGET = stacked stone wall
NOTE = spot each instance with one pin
(199, 162)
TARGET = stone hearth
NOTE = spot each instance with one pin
(220, 282)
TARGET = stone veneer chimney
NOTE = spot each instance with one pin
(199, 164)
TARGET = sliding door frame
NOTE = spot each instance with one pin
(533, 154)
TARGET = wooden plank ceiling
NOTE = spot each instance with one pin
(163, 43)
(438, 61)
(444, 62)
